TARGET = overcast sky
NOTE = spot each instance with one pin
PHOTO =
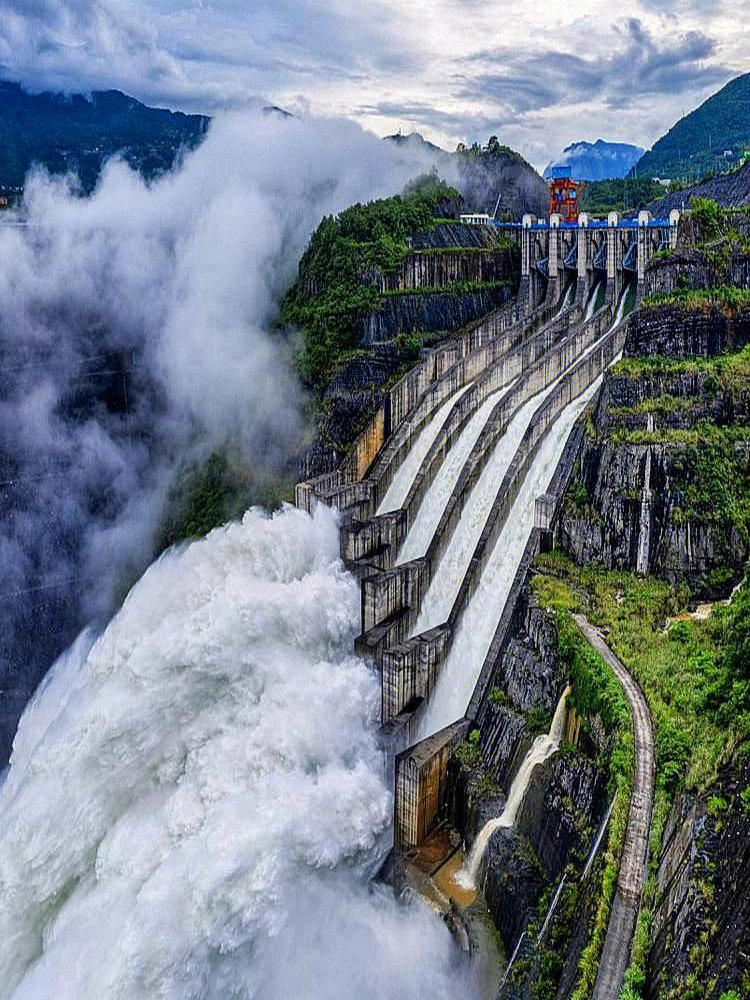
(539, 75)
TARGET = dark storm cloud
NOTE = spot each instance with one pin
(640, 65)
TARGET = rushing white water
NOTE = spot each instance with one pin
(542, 748)
(592, 301)
(407, 471)
(435, 499)
(479, 621)
(194, 802)
(566, 298)
(452, 567)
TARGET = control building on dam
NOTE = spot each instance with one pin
(455, 485)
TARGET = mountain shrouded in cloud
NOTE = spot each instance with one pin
(134, 338)
(515, 70)
(77, 134)
(596, 161)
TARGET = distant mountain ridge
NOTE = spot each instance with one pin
(76, 133)
(597, 161)
(695, 145)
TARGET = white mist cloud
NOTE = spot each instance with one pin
(195, 802)
(135, 332)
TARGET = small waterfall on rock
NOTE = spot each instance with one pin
(644, 532)
(433, 503)
(406, 472)
(542, 747)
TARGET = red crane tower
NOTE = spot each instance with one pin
(563, 194)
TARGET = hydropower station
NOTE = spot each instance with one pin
(454, 487)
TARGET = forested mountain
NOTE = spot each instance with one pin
(78, 133)
(696, 144)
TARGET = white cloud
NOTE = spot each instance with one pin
(381, 61)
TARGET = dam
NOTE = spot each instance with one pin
(454, 487)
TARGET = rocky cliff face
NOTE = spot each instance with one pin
(675, 431)
(563, 802)
(683, 332)
(353, 393)
(701, 923)
(428, 313)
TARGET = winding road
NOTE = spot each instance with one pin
(616, 952)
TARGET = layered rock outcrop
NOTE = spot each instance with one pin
(701, 922)
(665, 465)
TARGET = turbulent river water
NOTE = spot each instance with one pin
(195, 803)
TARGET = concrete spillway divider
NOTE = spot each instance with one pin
(421, 784)
(468, 446)
(531, 371)
(575, 380)
(408, 671)
(480, 602)
(387, 593)
(452, 367)
(410, 465)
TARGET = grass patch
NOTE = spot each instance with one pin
(723, 297)
(729, 370)
(695, 674)
(455, 288)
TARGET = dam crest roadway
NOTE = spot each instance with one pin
(454, 487)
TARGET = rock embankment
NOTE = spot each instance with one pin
(701, 922)
(665, 465)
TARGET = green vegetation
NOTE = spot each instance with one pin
(467, 752)
(596, 692)
(695, 145)
(727, 370)
(724, 297)
(538, 719)
(210, 493)
(454, 288)
(497, 697)
(696, 678)
(695, 674)
(337, 286)
(710, 472)
(624, 194)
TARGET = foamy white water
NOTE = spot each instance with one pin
(566, 298)
(437, 496)
(592, 301)
(407, 471)
(194, 802)
(452, 567)
(479, 621)
(543, 747)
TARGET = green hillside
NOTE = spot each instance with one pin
(695, 145)
(75, 133)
